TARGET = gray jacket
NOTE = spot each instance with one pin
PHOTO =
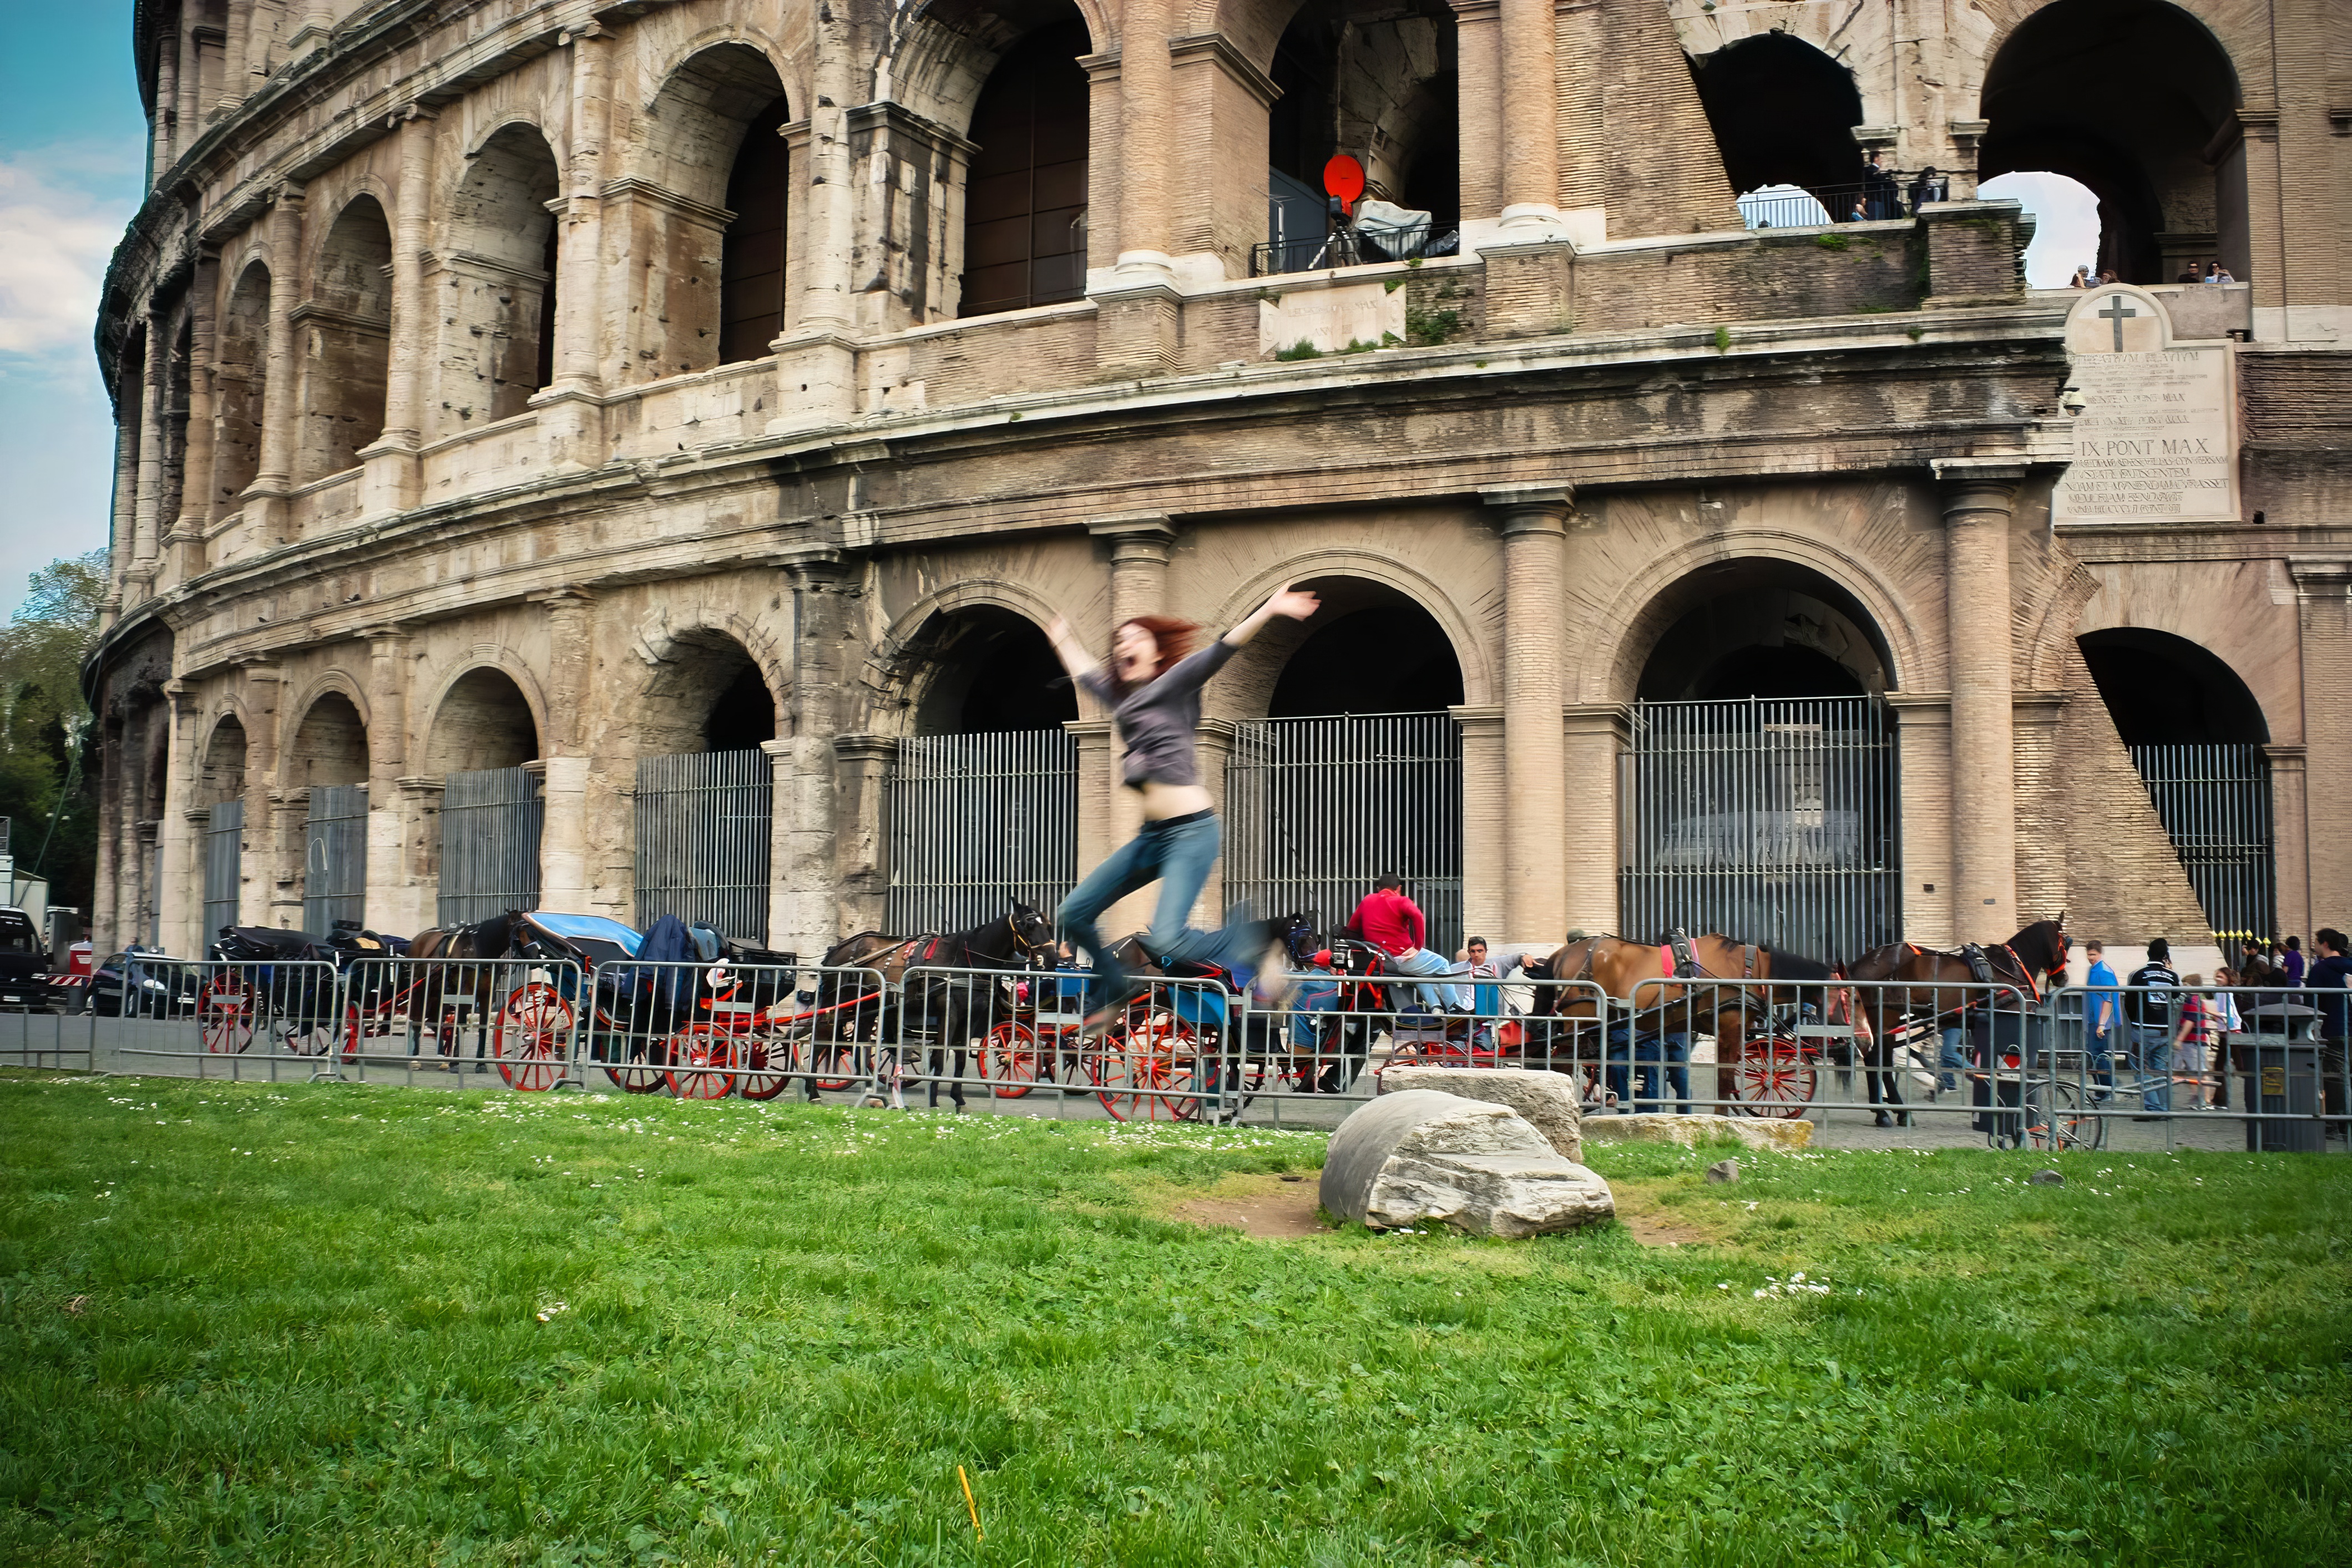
(1160, 721)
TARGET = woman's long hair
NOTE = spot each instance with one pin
(1174, 638)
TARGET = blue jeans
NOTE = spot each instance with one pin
(1669, 1053)
(1177, 856)
(1420, 961)
(2152, 1054)
(2099, 1057)
(1950, 1062)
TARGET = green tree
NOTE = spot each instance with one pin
(45, 727)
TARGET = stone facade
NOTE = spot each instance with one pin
(430, 460)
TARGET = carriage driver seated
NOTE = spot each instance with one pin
(1393, 923)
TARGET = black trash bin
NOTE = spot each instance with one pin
(2283, 1080)
(1999, 1044)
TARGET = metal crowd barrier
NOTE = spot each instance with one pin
(38, 1037)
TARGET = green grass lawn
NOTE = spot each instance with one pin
(321, 1324)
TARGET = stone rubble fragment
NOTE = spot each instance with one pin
(1418, 1155)
(1546, 1100)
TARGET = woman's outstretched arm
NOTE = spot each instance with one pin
(1290, 605)
(1070, 650)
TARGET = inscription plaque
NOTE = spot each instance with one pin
(2157, 439)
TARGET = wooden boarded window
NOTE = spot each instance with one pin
(1025, 198)
(751, 266)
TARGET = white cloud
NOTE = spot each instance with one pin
(2065, 226)
(56, 235)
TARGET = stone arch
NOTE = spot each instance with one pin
(220, 772)
(1619, 644)
(947, 52)
(2125, 97)
(499, 306)
(978, 621)
(487, 715)
(1783, 112)
(2259, 651)
(344, 337)
(329, 744)
(1251, 679)
(715, 687)
(240, 383)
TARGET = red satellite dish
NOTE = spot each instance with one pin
(1344, 178)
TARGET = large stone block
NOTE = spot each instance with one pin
(1690, 1131)
(1547, 1100)
(1417, 1154)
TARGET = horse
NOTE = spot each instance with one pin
(1724, 980)
(435, 985)
(942, 1006)
(1914, 999)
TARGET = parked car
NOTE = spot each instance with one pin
(157, 988)
(23, 963)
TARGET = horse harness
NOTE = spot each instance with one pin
(1680, 959)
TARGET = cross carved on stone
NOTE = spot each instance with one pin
(2118, 311)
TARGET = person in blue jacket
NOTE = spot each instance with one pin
(2102, 1019)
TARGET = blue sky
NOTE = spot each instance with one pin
(72, 155)
(72, 152)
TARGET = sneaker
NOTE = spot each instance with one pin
(1111, 1009)
(1274, 984)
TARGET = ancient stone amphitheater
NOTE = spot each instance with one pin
(619, 458)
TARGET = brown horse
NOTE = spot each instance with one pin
(1921, 995)
(1731, 990)
(439, 990)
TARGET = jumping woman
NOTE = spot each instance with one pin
(1154, 690)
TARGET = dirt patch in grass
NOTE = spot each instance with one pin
(1264, 1206)
(1651, 1216)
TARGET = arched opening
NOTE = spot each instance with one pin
(2065, 214)
(994, 673)
(982, 800)
(1381, 83)
(222, 774)
(2126, 96)
(484, 721)
(706, 792)
(498, 342)
(1760, 790)
(239, 386)
(1356, 771)
(2198, 740)
(220, 787)
(1025, 236)
(1783, 115)
(345, 336)
(330, 745)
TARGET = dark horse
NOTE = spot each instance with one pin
(438, 989)
(947, 1010)
(1730, 989)
(1917, 998)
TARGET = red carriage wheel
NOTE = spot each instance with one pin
(1009, 1059)
(701, 1058)
(832, 1064)
(1145, 1068)
(1775, 1078)
(351, 1031)
(763, 1059)
(225, 1010)
(532, 1034)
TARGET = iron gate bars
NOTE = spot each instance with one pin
(2215, 805)
(976, 820)
(224, 846)
(490, 823)
(1774, 822)
(703, 834)
(334, 856)
(1318, 808)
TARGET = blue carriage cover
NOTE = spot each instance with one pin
(587, 927)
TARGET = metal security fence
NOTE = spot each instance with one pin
(1316, 809)
(223, 849)
(703, 831)
(2215, 804)
(975, 819)
(334, 856)
(490, 824)
(1774, 822)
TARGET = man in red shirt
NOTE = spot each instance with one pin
(1393, 922)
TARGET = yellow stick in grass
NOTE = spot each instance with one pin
(971, 1506)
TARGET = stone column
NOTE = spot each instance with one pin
(1923, 725)
(572, 414)
(2291, 839)
(1530, 111)
(1978, 504)
(805, 914)
(1594, 740)
(390, 902)
(1140, 545)
(154, 387)
(1098, 770)
(2041, 804)
(861, 847)
(563, 856)
(184, 539)
(816, 359)
(2324, 609)
(181, 880)
(163, 140)
(258, 866)
(274, 479)
(392, 479)
(1146, 90)
(1533, 521)
(1484, 852)
(420, 824)
(1478, 33)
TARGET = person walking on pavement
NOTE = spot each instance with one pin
(2101, 1021)
(1393, 923)
(2292, 962)
(1154, 690)
(2327, 982)
(2226, 1021)
(2155, 989)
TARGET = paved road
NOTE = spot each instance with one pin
(150, 1047)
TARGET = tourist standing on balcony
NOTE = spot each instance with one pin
(1154, 690)
(1878, 190)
